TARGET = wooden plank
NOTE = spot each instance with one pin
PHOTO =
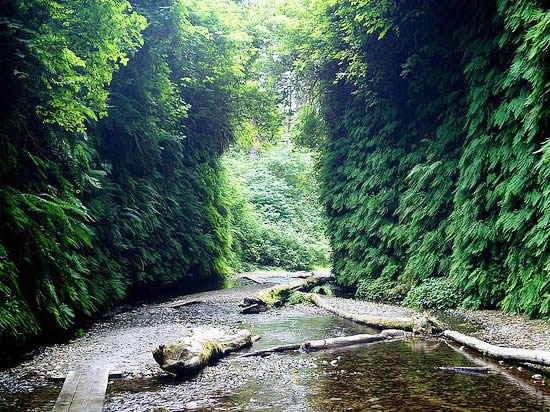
(83, 391)
(90, 392)
(68, 390)
(116, 374)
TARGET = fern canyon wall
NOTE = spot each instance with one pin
(114, 117)
(422, 126)
(436, 158)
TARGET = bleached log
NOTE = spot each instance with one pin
(423, 323)
(253, 278)
(203, 347)
(330, 343)
(539, 357)
(182, 302)
(321, 344)
(273, 349)
(466, 369)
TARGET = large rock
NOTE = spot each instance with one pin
(203, 347)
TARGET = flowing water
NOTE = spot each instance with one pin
(387, 376)
(391, 376)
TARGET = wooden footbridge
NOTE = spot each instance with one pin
(84, 390)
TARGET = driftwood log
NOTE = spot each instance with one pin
(276, 295)
(475, 370)
(182, 302)
(539, 357)
(514, 380)
(423, 323)
(202, 348)
(428, 324)
(322, 344)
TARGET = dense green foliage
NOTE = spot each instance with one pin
(431, 118)
(435, 164)
(381, 290)
(435, 293)
(277, 220)
(114, 117)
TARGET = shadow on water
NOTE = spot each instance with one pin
(39, 399)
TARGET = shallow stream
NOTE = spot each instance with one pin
(388, 376)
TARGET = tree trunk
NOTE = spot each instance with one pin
(539, 357)
(466, 369)
(276, 295)
(193, 353)
(182, 302)
(423, 323)
(330, 343)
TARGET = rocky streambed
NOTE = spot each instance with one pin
(399, 375)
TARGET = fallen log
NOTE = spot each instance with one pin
(255, 308)
(182, 302)
(321, 344)
(466, 369)
(276, 295)
(521, 383)
(351, 340)
(424, 323)
(253, 278)
(273, 349)
(203, 347)
(539, 357)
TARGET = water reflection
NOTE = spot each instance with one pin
(403, 376)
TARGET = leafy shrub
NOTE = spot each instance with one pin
(437, 293)
(380, 290)
(323, 290)
(297, 298)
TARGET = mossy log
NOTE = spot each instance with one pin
(330, 343)
(203, 347)
(420, 324)
(276, 295)
(538, 357)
